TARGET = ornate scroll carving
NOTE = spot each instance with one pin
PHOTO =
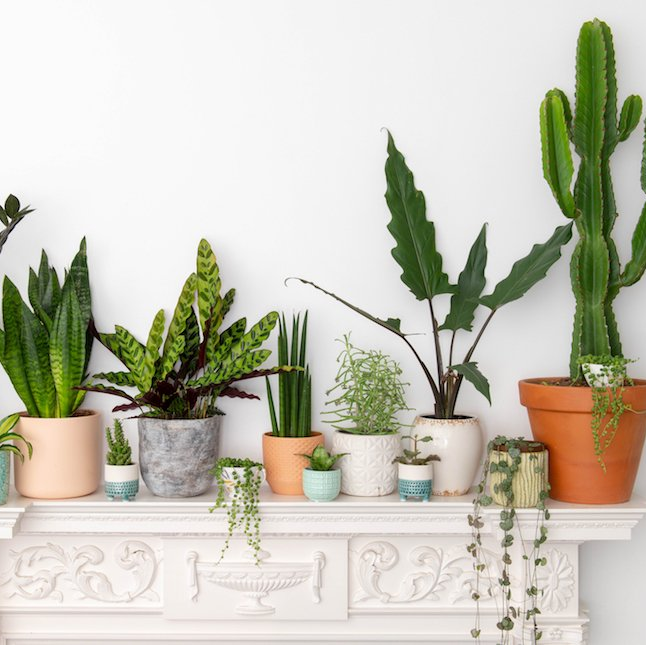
(256, 582)
(36, 572)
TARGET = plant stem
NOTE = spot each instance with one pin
(438, 361)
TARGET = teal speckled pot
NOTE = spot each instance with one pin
(5, 472)
(321, 485)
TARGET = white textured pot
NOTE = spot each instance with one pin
(415, 472)
(458, 443)
(368, 469)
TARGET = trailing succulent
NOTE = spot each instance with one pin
(595, 130)
(181, 376)
(45, 352)
(119, 451)
(421, 263)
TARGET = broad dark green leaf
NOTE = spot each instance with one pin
(12, 206)
(526, 272)
(471, 282)
(415, 251)
(472, 374)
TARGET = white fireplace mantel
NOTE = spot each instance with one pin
(368, 570)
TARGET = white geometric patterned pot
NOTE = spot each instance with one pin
(458, 443)
(368, 469)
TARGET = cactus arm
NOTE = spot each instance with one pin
(557, 158)
(575, 352)
(631, 113)
(611, 134)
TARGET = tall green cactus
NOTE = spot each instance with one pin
(119, 450)
(594, 129)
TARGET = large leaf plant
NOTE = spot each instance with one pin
(182, 375)
(421, 263)
(46, 352)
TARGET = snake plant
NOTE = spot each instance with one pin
(594, 129)
(45, 352)
(181, 376)
(421, 263)
(294, 417)
(7, 435)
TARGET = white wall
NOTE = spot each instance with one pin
(147, 125)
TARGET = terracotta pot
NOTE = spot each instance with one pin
(458, 443)
(67, 456)
(284, 466)
(527, 483)
(176, 455)
(368, 470)
(560, 417)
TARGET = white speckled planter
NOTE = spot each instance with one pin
(458, 443)
(368, 469)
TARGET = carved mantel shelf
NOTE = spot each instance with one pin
(374, 570)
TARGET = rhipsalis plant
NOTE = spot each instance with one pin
(242, 490)
(294, 417)
(498, 582)
(368, 393)
(421, 263)
(45, 352)
(607, 377)
(6, 435)
(119, 451)
(594, 129)
(320, 459)
(10, 216)
(411, 457)
(182, 376)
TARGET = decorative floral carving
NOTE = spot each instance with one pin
(256, 582)
(556, 634)
(377, 557)
(556, 579)
(36, 570)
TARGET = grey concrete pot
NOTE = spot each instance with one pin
(175, 455)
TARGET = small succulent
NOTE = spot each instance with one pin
(119, 451)
(412, 457)
(320, 459)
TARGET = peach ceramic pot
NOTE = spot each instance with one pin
(67, 456)
(560, 417)
(284, 466)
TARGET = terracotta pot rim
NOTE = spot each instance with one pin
(309, 436)
(548, 382)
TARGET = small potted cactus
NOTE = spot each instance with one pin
(321, 482)
(415, 473)
(121, 475)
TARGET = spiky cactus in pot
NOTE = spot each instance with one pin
(594, 129)
(119, 451)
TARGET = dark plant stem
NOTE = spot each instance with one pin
(439, 363)
(454, 394)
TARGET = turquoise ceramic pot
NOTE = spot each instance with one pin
(5, 462)
(321, 485)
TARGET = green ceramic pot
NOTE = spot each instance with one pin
(321, 485)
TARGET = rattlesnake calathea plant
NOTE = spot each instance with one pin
(421, 263)
(182, 376)
(595, 130)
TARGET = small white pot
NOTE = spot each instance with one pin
(458, 443)
(412, 472)
(231, 475)
(368, 470)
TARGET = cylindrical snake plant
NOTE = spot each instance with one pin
(594, 129)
